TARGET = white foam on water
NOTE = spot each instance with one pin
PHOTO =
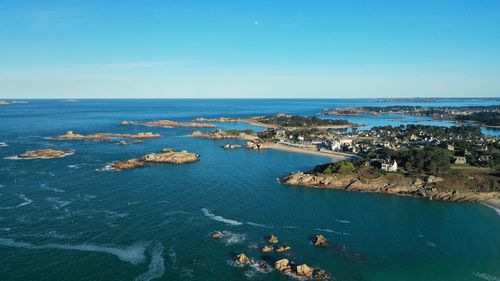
(430, 244)
(173, 257)
(332, 231)
(259, 225)
(492, 207)
(486, 276)
(156, 266)
(219, 218)
(45, 187)
(290, 227)
(23, 197)
(231, 238)
(342, 221)
(133, 254)
(58, 204)
(3, 144)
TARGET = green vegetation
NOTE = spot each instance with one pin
(341, 167)
(432, 161)
(486, 118)
(237, 132)
(300, 121)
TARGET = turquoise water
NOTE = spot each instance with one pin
(62, 220)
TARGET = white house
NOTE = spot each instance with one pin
(389, 167)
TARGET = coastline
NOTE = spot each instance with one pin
(254, 122)
(333, 155)
(493, 204)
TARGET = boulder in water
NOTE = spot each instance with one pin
(241, 259)
(273, 239)
(319, 240)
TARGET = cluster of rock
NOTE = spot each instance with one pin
(274, 240)
(70, 135)
(301, 271)
(45, 154)
(166, 156)
(256, 145)
(231, 146)
(220, 119)
(170, 124)
(405, 186)
(122, 142)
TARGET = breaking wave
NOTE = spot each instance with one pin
(486, 276)
(259, 225)
(133, 254)
(214, 217)
(26, 200)
(332, 231)
(156, 266)
(342, 221)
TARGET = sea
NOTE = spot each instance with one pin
(70, 219)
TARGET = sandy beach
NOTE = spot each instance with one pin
(332, 155)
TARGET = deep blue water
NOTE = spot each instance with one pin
(62, 220)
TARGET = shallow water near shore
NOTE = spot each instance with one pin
(62, 220)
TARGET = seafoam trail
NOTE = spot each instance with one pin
(133, 254)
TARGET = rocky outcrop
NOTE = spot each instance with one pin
(169, 156)
(282, 248)
(304, 270)
(267, 249)
(301, 271)
(283, 265)
(241, 259)
(231, 146)
(169, 124)
(403, 185)
(256, 145)
(319, 240)
(70, 135)
(273, 239)
(44, 154)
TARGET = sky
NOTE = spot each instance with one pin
(249, 49)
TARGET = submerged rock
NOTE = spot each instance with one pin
(217, 235)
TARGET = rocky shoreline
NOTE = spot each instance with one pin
(167, 156)
(404, 186)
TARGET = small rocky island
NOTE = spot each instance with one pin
(44, 154)
(167, 156)
(169, 124)
(70, 135)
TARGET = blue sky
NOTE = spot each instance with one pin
(249, 49)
